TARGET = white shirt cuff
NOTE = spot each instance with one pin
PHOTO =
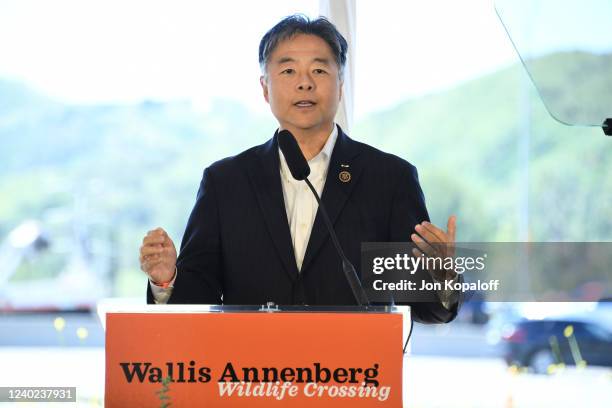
(161, 295)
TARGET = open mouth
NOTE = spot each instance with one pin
(304, 104)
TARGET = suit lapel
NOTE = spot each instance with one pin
(335, 192)
(264, 173)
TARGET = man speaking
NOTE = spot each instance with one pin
(256, 235)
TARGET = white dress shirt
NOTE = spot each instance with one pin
(300, 204)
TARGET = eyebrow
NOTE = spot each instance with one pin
(284, 60)
(323, 61)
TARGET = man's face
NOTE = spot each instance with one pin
(302, 83)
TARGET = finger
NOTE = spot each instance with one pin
(437, 232)
(451, 227)
(154, 258)
(147, 238)
(167, 241)
(153, 240)
(436, 237)
(422, 244)
(146, 249)
(428, 236)
(164, 237)
(155, 232)
(417, 252)
(150, 250)
(160, 232)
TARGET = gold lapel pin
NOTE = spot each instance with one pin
(345, 176)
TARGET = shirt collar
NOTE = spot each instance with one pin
(327, 150)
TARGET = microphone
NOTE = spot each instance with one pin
(300, 170)
(298, 166)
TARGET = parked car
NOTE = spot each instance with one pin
(571, 340)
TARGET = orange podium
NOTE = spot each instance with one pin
(230, 356)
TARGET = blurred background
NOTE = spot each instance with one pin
(110, 111)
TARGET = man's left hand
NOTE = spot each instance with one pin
(435, 242)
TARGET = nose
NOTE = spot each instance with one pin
(305, 83)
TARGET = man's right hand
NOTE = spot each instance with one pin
(158, 256)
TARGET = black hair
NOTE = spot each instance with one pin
(301, 24)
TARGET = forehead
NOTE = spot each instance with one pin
(302, 47)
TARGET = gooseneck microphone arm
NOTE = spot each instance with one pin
(347, 266)
(300, 170)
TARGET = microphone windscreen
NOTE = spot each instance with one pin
(298, 166)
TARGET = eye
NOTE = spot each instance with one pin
(319, 71)
(288, 71)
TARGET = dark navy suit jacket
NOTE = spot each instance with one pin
(237, 247)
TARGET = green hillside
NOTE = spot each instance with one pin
(468, 144)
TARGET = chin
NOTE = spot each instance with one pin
(305, 125)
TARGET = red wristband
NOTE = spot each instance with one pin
(165, 285)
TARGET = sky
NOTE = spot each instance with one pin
(115, 51)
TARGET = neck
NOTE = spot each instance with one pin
(311, 141)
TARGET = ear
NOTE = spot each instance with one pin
(341, 89)
(264, 87)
